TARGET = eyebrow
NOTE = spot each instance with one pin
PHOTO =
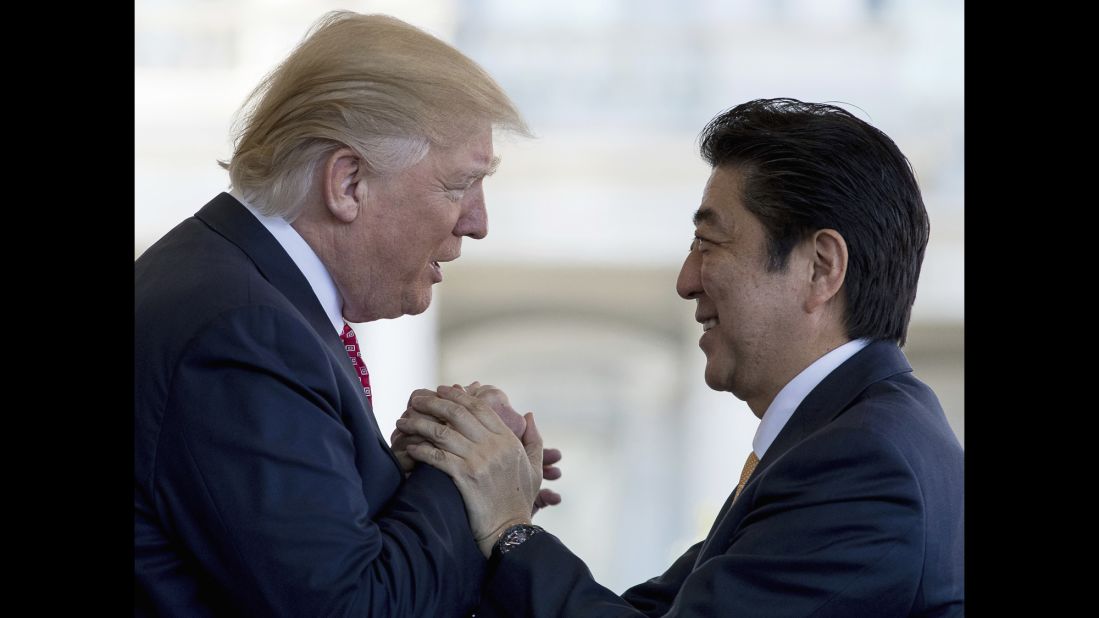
(705, 215)
(485, 171)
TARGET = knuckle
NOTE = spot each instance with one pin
(480, 467)
(441, 432)
(458, 413)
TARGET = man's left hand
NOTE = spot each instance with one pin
(496, 399)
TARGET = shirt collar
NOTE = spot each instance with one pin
(305, 259)
(791, 395)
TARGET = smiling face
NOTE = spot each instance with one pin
(410, 223)
(754, 323)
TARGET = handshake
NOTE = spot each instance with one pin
(493, 454)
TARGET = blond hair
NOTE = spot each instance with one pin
(384, 88)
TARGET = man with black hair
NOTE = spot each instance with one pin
(803, 269)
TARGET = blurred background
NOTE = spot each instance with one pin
(570, 304)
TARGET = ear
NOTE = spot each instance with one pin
(829, 267)
(344, 184)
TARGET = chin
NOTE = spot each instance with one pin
(715, 379)
(418, 304)
(371, 312)
(714, 383)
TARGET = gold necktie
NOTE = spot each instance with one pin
(749, 467)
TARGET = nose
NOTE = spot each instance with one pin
(689, 283)
(473, 221)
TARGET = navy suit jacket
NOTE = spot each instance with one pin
(856, 509)
(263, 485)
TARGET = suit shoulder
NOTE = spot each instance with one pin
(194, 266)
(254, 344)
(190, 277)
(902, 410)
(196, 291)
(894, 429)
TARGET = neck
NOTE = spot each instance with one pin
(802, 359)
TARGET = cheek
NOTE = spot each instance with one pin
(718, 281)
(419, 244)
(436, 228)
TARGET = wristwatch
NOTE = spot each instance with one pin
(514, 537)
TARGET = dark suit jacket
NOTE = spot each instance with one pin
(262, 483)
(856, 509)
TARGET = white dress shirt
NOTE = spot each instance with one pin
(306, 260)
(791, 395)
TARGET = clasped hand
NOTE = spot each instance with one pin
(498, 474)
(498, 401)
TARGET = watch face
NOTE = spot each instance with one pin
(516, 536)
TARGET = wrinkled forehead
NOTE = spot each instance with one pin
(470, 157)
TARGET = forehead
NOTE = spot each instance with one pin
(722, 207)
(471, 155)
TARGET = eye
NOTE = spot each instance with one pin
(699, 244)
(456, 193)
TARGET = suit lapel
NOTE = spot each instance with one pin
(230, 219)
(830, 398)
(226, 216)
(877, 361)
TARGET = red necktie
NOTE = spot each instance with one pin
(352, 346)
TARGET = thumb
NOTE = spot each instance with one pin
(532, 441)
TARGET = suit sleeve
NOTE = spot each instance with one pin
(834, 528)
(655, 597)
(258, 477)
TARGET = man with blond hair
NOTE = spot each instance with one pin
(263, 485)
